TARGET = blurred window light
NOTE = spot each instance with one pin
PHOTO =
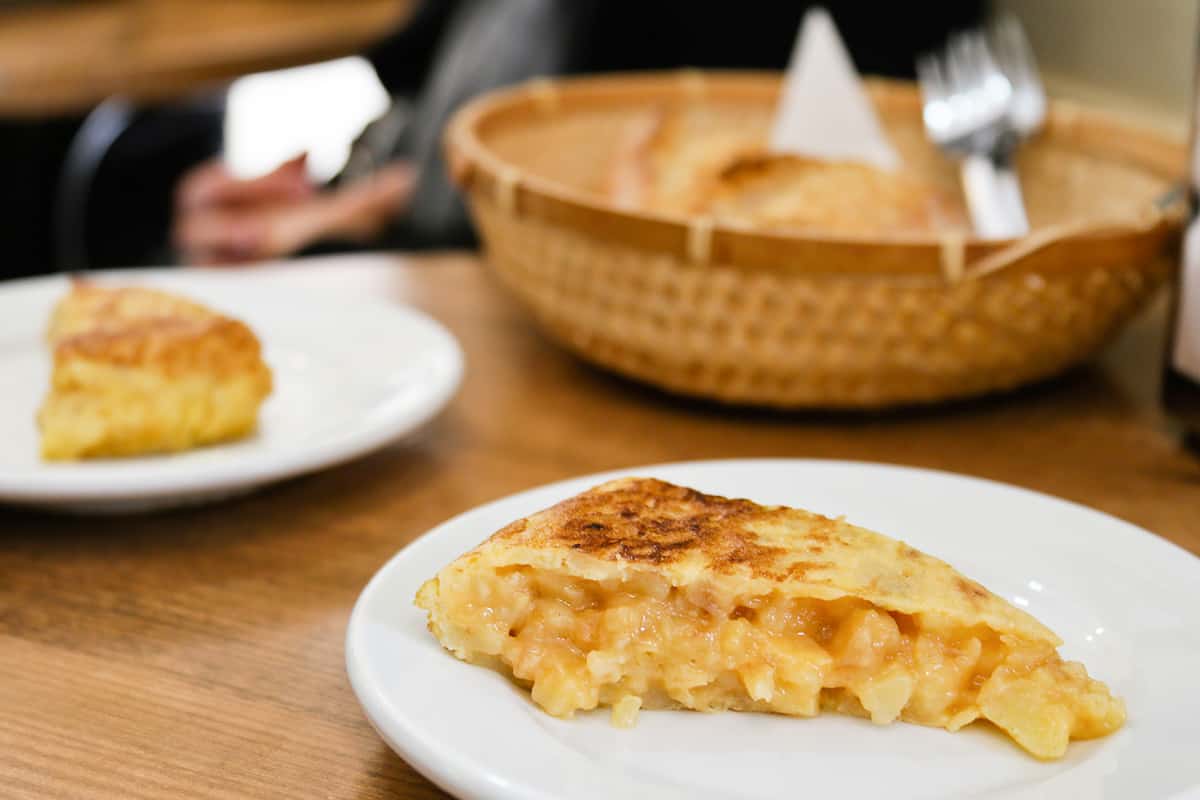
(318, 109)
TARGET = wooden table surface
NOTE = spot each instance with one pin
(61, 57)
(198, 653)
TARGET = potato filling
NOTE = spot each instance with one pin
(643, 643)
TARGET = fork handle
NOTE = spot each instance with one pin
(994, 198)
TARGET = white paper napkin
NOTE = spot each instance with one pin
(823, 109)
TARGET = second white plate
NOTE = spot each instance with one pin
(351, 375)
(1125, 602)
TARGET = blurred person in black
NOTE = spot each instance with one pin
(394, 191)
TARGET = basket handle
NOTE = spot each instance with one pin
(1171, 206)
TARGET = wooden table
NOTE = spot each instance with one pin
(61, 57)
(198, 653)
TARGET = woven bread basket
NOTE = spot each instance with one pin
(796, 319)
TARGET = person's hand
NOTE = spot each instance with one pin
(220, 219)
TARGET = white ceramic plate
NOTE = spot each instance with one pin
(1126, 602)
(351, 375)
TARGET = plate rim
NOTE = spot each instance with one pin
(460, 776)
(25, 487)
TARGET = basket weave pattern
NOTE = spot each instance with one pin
(800, 320)
(811, 340)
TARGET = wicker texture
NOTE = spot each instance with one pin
(711, 315)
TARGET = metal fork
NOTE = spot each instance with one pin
(982, 96)
(1014, 56)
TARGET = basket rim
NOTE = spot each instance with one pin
(474, 166)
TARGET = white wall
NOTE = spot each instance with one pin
(1138, 53)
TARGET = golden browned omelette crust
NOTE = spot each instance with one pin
(683, 532)
(216, 346)
(90, 308)
(651, 522)
(140, 370)
(643, 594)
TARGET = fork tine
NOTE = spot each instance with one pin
(983, 53)
(1013, 52)
(958, 67)
(935, 111)
(929, 75)
(1015, 58)
(979, 56)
